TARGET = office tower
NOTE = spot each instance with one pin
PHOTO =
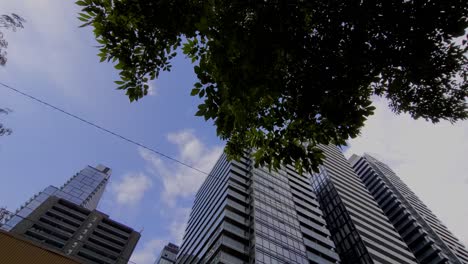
(360, 230)
(15, 250)
(425, 235)
(87, 236)
(168, 254)
(84, 189)
(243, 214)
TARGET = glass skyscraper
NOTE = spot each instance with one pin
(360, 215)
(360, 230)
(65, 220)
(425, 235)
(84, 189)
(243, 214)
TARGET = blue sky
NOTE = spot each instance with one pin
(56, 61)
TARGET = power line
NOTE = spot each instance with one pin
(114, 134)
(105, 130)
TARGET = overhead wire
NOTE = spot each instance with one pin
(131, 141)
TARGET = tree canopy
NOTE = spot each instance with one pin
(281, 77)
(11, 22)
(4, 130)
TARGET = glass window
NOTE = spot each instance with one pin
(33, 204)
(50, 190)
(14, 220)
(42, 197)
(24, 212)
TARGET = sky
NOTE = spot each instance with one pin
(54, 60)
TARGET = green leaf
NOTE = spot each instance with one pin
(276, 84)
(119, 66)
(203, 24)
(85, 15)
(201, 94)
(195, 91)
(86, 24)
(201, 110)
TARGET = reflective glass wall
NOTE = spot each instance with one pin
(84, 189)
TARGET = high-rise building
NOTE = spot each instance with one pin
(84, 189)
(243, 214)
(88, 236)
(360, 230)
(425, 235)
(168, 254)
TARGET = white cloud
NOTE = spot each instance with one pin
(132, 187)
(152, 89)
(149, 252)
(178, 225)
(190, 147)
(51, 44)
(430, 159)
(180, 181)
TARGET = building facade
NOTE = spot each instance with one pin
(84, 189)
(168, 254)
(423, 232)
(243, 214)
(87, 236)
(360, 230)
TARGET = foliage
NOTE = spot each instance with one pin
(3, 129)
(283, 76)
(12, 22)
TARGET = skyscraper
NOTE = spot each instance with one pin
(425, 235)
(168, 254)
(88, 236)
(65, 220)
(84, 189)
(243, 214)
(360, 230)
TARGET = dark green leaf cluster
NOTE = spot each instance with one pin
(4, 130)
(281, 77)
